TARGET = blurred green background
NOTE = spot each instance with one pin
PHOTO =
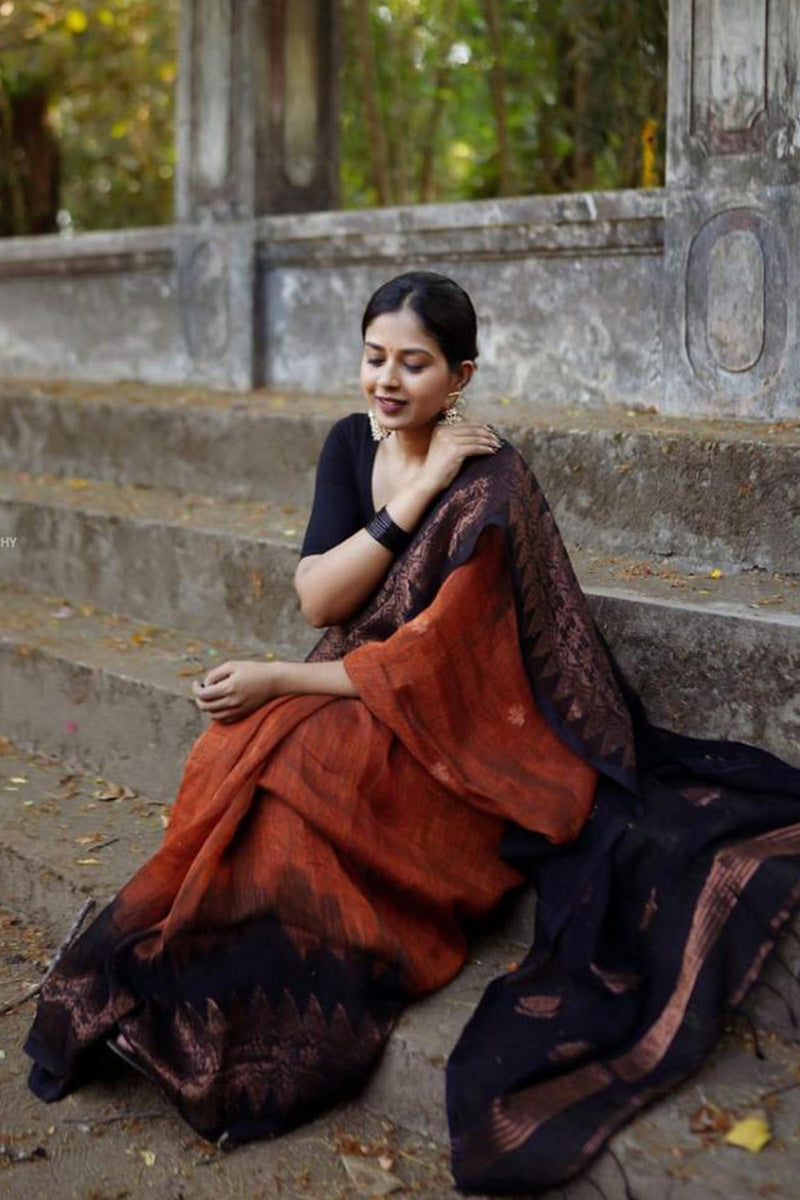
(441, 100)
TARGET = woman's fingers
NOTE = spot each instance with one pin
(230, 717)
(478, 444)
(214, 699)
(220, 706)
(476, 435)
(213, 691)
(469, 429)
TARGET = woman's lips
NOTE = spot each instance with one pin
(390, 406)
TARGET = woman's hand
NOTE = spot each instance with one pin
(234, 689)
(450, 445)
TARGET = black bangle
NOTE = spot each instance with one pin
(387, 532)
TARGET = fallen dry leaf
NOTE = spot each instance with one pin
(752, 1132)
(367, 1178)
(710, 1119)
(112, 791)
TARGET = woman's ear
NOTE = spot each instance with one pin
(466, 371)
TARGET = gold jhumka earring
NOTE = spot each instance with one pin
(450, 416)
(454, 412)
(379, 432)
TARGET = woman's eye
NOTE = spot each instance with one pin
(377, 362)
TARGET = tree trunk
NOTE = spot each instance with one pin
(377, 134)
(581, 32)
(497, 88)
(29, 165)
(427, 178)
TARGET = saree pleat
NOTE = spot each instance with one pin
(325, 858)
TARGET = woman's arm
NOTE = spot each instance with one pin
(231, 690)
(316, 678)
(335, 585)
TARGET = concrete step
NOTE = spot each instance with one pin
(719, 492)
(158, 555)
(187, 439)
(66, 834)
(713, 657)
(93, 686)
(710, 657)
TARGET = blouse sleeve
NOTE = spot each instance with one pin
(336, 512)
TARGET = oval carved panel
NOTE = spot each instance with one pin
(203, 277)
(735, 323)
(736, 301)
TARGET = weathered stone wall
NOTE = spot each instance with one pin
(100, 306)
(682, 299)
(732, 227)
(567, 291)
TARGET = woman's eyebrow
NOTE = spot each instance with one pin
(405, 350)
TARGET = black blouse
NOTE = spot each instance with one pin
(343, 489)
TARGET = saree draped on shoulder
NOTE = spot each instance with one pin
(324, 856)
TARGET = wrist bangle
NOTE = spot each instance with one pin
(387, 532)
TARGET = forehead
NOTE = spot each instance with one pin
(399, 331)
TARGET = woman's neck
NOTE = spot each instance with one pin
(411, 445)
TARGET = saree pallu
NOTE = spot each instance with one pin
(325, 856)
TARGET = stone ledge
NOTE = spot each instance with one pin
(94, 251)
(593, 221)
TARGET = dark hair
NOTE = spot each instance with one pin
(443, 307)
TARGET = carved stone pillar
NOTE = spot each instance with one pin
(257, 133)
(733, 208)
(258, 112)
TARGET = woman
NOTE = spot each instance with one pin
(460, 728)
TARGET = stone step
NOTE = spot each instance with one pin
(720, 492)
(711, 656)
(158, 555)
(92, 686)
(187, 439)
(66, 835)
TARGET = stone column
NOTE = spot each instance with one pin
(733, 209)
(257, 133)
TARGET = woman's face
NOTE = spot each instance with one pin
(405, 377)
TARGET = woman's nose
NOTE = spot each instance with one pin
(387, 376)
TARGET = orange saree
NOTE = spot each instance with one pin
(319, 858)
(324, 855)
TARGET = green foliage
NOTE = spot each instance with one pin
(558, 140)
(564, 107)
(108, 69)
